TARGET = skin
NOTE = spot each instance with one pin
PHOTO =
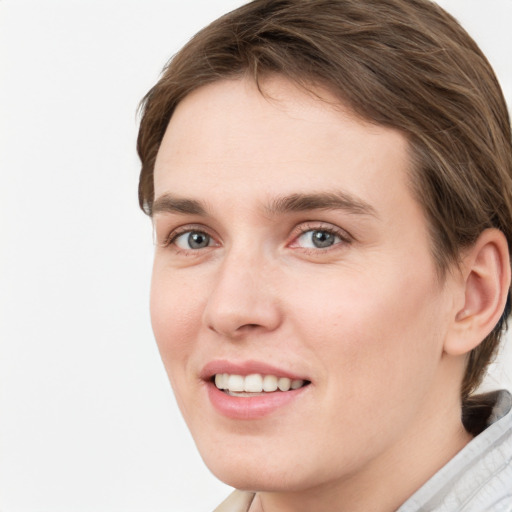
(366, 320)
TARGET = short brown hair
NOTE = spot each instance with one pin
(405, 64)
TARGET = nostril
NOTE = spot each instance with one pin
(247, 328)
(233, 314)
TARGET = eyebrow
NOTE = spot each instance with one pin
(167, 203)
(321, 201)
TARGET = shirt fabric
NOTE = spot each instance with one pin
(477, 479)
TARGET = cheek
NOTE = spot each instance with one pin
(175, 317)
(376, 349)
(368, 330)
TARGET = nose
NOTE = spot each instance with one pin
(243, 299)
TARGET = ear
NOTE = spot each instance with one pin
(484, 286)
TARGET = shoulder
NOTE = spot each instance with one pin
(237, 501)
(478, 478)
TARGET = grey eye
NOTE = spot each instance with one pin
(193, 240)
(322, 239)
(318, 239)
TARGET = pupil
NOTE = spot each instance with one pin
(198, 240)
(322, 239)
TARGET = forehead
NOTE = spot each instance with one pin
(228, 136)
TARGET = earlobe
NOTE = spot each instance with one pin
(486, 281)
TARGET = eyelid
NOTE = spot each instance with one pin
(297, 231)
(305, 227)
(180, 230)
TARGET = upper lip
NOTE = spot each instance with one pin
(245, 368)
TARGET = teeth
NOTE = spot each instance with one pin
(296, 384)
(236, 383)
(284, 384)
(255, 383)
(269, 383)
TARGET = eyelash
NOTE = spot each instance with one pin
(173, 235)
(297, 232)
(304, 228)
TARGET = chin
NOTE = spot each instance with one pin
(266, 471)
(258, 478)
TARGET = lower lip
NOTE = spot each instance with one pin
(251, 408)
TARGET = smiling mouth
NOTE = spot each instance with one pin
(255, 384)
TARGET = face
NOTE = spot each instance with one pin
(291, 254)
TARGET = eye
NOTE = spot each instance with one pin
(192, 240)
(318, 239)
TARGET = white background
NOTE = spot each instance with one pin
(87, 418)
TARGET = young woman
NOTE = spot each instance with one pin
(330, 186)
